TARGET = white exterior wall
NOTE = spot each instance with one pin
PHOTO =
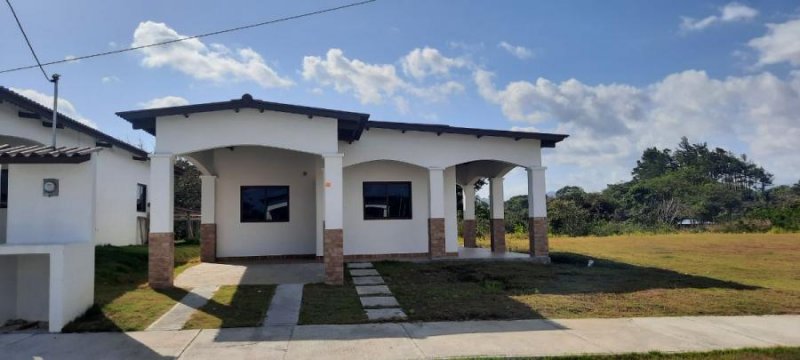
(66, 218)
(202, 131)
(118, 176)
(445, 150)
(246, 166)
(395, 236)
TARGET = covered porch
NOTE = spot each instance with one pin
(347, 189)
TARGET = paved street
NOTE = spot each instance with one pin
(419, 340)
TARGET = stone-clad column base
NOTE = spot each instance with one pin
(498, 235)
(208, 243)
(161, 259)
(436, 237)
(470, 232)
(333, 252)
(537, 234)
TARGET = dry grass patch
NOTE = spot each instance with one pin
(233, 306)
(766, 260)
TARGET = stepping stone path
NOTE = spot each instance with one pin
(377, 300)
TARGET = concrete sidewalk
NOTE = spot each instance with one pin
(420, 340)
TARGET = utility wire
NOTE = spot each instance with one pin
(244, 27)
(21, 29)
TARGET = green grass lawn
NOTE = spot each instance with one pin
(663, 275)
(233, 306)
(326, 304)
(123, 301)
(776, 353)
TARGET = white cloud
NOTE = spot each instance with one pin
(420, 63)
(519, 52)
(214, 62)
(64, 106)
(609, 125)
(780, 44)
(371, 83)
(109, 79)
(166, 101)
(732, 12)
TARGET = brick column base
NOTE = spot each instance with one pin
(436, 237)
(333, 252)
(470, 232)
(498, 235)
(161, 259)
(208, 243)
(537, 235)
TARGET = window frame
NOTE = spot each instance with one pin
(142, 186)
(4, 180)
(410, 200)
(242, 188)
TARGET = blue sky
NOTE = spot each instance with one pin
(618, 76)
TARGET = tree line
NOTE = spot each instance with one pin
(691, 186)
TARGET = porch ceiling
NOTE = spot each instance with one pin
(468, 172)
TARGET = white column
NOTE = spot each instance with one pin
(208, 198)
(334, 197)
(496, 197)
(468, 201)
(161, 193)
(436, 192)
(319, 197)
(537, 192)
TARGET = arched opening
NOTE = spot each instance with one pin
(255, 201)
(486, 216)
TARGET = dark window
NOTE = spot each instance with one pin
(141, 198)
(387, 200)
(4, 189)
(265, 204)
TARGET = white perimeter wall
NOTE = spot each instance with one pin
(118, 176)
(249, 165)
(385, 236)
(66, 218)
(46, 282)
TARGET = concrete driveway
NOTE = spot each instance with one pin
(250, 273)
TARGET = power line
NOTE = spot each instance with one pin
(22, 30)
(244, 27)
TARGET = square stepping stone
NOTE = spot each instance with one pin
(361, 265)
(373, 290)
(379, 302)
(368, 280)
(364, 272)
(385, 314)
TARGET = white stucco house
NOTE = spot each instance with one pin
(285, 181)
(56, 205)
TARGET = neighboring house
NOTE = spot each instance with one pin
(283, 180)
(122, 174)
(57, 204)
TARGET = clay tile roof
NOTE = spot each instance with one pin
(42, 154)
